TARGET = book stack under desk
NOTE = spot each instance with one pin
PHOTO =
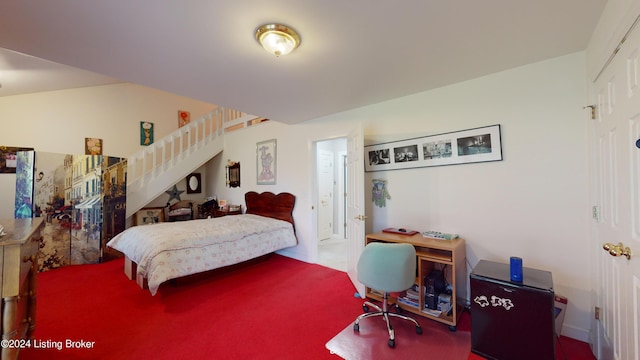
(410, 297)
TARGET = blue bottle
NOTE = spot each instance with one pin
(516, 269)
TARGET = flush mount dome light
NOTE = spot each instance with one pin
(277, 39)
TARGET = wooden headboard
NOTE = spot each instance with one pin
(271, 205)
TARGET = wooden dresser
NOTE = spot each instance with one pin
(19, 272)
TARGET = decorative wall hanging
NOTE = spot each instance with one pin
(92, 146)
(233, 174)
(8, 158)
(194, 183)
(380, 194)
(266, 162)
(460, 147)
(174, 193)
(146, 133)
(184, 117)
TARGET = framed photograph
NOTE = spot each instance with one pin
(146, 133)
(460, 147)
(9, 158)
(266, 159)
(92, 146)
(184, 117)
(150, 215)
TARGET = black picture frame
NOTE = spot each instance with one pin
(480, 144)
(8, 158)
(194, 183)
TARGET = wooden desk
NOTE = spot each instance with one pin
(19, 275)
(447, 255)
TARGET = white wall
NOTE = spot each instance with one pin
(532, 204)
(59, 121)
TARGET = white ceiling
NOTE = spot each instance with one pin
(353, 53)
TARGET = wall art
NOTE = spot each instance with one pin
(9, 158)
(146, 133)
(147, 216)
(92, 146)
(184, 117)
(194, 183)
(460, 147)
(379, 193)
(266, 162)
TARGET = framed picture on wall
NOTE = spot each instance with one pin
(148, 216)
(194, 183)
(184, 117)
(146, 133)
(9, 158)
(266, 159)
(460, 147)
(92, 146)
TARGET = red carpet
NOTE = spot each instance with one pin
(275, 308)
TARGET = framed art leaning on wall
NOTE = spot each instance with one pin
(150, 215)
(459, 147)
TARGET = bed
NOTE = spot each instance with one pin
(160, 252)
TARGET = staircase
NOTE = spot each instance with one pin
(157, 167)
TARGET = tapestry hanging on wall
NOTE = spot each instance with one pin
(380, 194)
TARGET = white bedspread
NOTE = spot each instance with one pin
(170, 250)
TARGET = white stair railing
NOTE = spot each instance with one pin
(154, 169)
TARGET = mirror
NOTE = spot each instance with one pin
(233, 174)
(194, 185)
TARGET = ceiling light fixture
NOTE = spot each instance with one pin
(277, 39)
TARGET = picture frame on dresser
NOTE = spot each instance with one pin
(148, 216)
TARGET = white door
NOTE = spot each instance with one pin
(615, 166)
(325, 194)
(355, 205)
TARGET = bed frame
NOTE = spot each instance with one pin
(266, 204)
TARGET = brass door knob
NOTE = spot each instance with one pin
(617, 250)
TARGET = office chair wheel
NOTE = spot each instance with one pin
(398, 309)
(365, 308)
(391, 343)
(452, 328)
(356, 327)
(418, 330)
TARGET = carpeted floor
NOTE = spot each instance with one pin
(272, 308)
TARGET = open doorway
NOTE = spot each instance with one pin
(331, 179)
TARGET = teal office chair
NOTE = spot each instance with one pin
(387, 267)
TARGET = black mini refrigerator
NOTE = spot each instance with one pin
(512, 320)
